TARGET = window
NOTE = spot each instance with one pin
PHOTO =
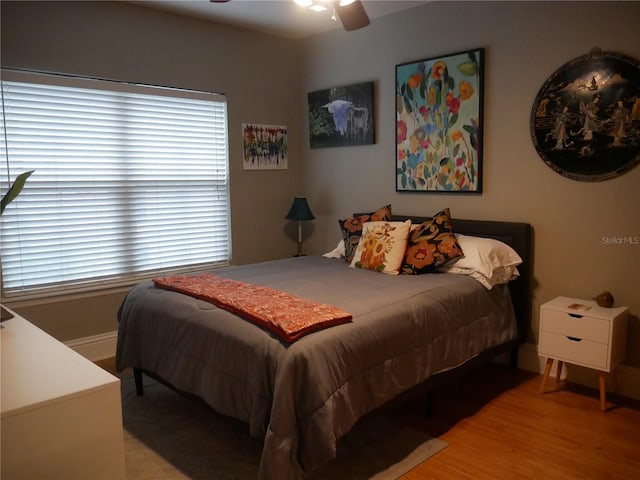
(130, 181)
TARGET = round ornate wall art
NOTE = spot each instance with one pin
(585, 121)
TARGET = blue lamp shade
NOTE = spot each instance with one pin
(300, 212)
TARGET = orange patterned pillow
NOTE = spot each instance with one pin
(431, 245)
(382, 246)
(351, 229)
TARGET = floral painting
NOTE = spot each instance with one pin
(264, 147)
(439, 124)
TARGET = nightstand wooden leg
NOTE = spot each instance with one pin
(603, 391)
(558, 372)
(547, 371)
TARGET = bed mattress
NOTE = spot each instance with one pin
(302, 396)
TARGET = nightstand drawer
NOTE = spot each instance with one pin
(576, 325)
(574, 350)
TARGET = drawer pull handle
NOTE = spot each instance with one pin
(574, 339)
(575, 315)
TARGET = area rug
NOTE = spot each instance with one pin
(170, 436)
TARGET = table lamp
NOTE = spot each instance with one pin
(300, 212)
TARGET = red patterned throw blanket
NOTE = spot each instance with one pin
(288, 316)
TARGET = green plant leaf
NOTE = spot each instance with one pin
(15, 190)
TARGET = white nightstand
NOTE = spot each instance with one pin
(583, 333)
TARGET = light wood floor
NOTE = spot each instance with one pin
(498, 426)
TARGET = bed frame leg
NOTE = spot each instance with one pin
(513, 357)
(428, 411)
(137, 376)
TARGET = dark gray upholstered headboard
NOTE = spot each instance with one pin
(518, 236)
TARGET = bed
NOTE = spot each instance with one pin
(406, 331)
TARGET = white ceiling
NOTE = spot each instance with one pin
(279, 17)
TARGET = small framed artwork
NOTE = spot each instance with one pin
(264, 147)
(585, 120)
(341, 116)
(439, 124)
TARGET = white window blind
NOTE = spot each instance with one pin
(128, 181)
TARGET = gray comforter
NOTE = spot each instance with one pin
(302, 397)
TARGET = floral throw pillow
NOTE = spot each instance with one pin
(431, 245)
(382, 246)
(351, 229)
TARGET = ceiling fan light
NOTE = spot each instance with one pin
(304, 3)
(317, 8)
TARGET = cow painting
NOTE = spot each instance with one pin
(341, 116)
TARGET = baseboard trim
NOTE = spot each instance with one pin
(95, 347)
(628, 378)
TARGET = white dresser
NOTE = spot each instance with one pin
(583, 333)
(61, 414)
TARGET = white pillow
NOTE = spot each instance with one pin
(337, 252)
(489, 261)
(382, 246)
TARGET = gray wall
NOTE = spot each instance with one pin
(266, 80)
(525, 42)
(115, 40)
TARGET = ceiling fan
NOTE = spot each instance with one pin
(351, 12)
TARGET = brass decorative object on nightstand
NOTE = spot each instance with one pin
(604, 299)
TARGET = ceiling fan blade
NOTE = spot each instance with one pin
(353, 16)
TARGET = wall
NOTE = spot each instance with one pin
(258, 73)
(524, 44)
